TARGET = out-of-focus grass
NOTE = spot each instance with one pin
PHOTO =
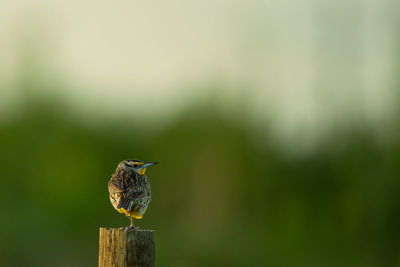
(219, 197)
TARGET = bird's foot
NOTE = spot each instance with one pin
(130, 227)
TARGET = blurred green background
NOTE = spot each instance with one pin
(275, 125)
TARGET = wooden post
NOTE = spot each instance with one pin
(119, 247)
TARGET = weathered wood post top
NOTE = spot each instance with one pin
(122, 247)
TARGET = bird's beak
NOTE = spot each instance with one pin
(147, 164)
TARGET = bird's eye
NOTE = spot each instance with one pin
(135, 165)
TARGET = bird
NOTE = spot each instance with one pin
(129, 188)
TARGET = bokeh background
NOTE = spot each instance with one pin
(275, 122)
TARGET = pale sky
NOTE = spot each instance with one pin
(302, 64)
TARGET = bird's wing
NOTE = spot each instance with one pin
(136, 194)
(129, 199)
(115, 186)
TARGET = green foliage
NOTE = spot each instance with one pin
(219, 198)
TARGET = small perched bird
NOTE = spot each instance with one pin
(129, 188)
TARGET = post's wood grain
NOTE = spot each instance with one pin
(119, 247)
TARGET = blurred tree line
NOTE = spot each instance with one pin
(220, 196)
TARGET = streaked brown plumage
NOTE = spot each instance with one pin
(129, 188)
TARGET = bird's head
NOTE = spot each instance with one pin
(135, 165)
